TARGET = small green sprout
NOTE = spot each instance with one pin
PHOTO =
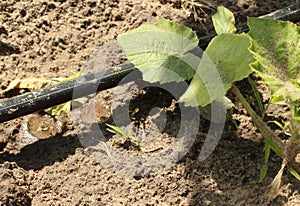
(284, 127)
(134, 111)
(117, 130)
(126, 134)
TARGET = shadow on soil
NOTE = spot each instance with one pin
(6, 49)
(229, 176)
(43, 152)
(234, 164)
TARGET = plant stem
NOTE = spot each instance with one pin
(257, 96)
(258, 120)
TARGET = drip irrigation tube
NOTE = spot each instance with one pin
(100, 80)
(291, 13)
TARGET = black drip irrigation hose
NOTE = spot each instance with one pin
(100, 80)
(60, 93)
(291, 13)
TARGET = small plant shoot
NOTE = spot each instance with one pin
(126, 134)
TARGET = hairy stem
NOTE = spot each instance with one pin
(261, 125)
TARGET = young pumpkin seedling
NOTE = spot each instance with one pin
(271, 49)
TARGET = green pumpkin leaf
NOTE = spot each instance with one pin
(219, 68)
(161, 51)
(224, 21)
(276, 47)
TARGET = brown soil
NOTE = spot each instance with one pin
(45, 163)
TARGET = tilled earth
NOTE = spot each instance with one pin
(55, 39)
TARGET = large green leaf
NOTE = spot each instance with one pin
(225, 61)
(224, 21)
(276, 46)
(161, 51)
